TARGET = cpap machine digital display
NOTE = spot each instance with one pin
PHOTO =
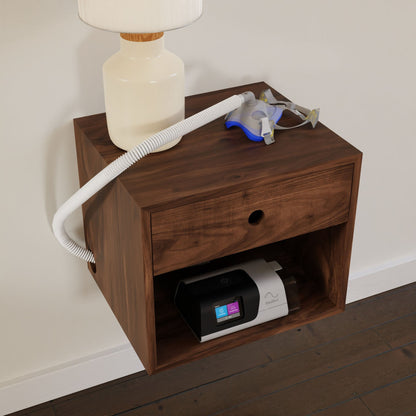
(226, 312)
(232, 299)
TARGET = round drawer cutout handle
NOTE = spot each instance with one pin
(256, 217)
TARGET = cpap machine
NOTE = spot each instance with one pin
(232, 299)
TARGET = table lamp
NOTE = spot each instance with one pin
(143, 82)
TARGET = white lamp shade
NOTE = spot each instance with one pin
(139, 16)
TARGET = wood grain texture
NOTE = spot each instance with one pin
(334, 387)
(377, 312)
(176, 344)
(318, 362)
(44, 412)
(121, 258)
(214, 160)
(141, 37)
(276, 376)
(350, 408)
(394, 399)
(133, 393)
(191, 204)
(400, 331)
(217, 227)
(44, 409)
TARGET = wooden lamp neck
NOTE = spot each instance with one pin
(141, 37)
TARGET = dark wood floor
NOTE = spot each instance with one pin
(359, 363)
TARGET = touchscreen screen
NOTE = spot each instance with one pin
(225, 312)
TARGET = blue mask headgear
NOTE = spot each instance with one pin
(258, 118)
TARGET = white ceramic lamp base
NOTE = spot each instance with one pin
(144, 90)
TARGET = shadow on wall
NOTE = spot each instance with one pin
(61, 162)
(61, 172)
(61, 181)
(92, 52)
(201, 77)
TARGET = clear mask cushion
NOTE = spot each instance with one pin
(258, 119)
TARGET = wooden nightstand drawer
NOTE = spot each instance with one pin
(208, 229)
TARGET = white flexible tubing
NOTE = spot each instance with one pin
(123, 162)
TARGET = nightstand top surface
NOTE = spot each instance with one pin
(214, 160)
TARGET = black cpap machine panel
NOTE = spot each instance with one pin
(231, 299)
(218, 302)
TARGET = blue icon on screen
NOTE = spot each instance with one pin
(221, 311)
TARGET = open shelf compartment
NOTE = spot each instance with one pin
(320, 295)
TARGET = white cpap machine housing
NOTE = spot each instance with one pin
(232, 299)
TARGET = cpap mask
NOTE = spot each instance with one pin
(258, 118)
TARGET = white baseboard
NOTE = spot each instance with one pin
(382, 278)
(68, 378)
(108, 365)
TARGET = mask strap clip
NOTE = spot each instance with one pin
(266, 131)
(306, 115)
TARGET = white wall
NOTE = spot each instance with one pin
(355, 60)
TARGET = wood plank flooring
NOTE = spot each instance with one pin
(359, 363)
